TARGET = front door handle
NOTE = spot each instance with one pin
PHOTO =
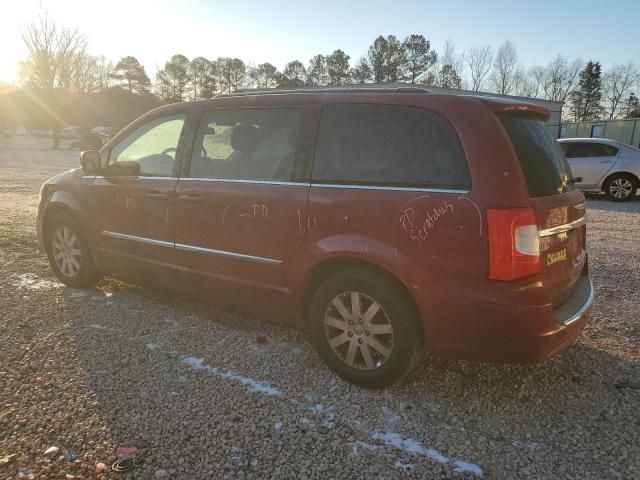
(606, 161)
(190, 198)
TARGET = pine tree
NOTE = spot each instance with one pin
(632, 106)
(338, 67)
(130, 73)
(419, 56)
(585, 100)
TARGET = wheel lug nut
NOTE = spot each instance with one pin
(350, 322)
(360, 320)
(350, 334)
(359, 340)
(366, 332)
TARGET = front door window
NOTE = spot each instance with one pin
(153, 146)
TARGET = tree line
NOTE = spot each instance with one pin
(58, 61)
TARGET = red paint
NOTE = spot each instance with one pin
(435, 244)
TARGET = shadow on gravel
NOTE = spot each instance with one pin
(600, 202)
(581, 399)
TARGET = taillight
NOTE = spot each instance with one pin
(514, 244)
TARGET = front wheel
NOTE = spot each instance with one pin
(365, 328)
(621, 187)
(69, 253)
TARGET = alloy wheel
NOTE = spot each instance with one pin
(358, 330)
(621, 188)
(65, 249)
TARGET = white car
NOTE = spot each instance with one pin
(604, 165)
(71, 132)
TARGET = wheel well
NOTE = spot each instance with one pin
(325, 269)
(604, 182)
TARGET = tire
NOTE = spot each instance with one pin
(69, 253)
(620, 187)
(390, 355)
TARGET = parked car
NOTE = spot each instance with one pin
(73, 131)
(604, 165)
(387, 220)
(102, 130)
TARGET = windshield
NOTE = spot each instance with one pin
(543, 163)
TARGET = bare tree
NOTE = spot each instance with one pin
(479, 62)
(449, 67)
(617, 84)
(559, 78)
(505, 67)
(54, 53)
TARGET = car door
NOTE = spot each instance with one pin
(241, 207)
(589, 160)
(133, 222)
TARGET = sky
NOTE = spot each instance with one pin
(281, 31)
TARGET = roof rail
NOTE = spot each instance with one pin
(340, 89)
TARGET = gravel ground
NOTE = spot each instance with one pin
(206, 393)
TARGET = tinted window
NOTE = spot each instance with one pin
(388, 145)
(543, 163)
(251, 144)
(153, 146)
(585, 150)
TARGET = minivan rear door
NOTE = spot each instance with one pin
(559, 208)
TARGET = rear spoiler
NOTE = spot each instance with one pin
(505, 105)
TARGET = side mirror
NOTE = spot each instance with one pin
(90, 161)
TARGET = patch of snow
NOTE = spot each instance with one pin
(306, 421)
(404, 466)
(357, 445)
(392, 417)
(99, 327)
(33, 282)
(250, 383)
(531, 445)
(326, 415)
(279, 427)
(76, 293)
(409, 445)
(466, 467)
(152, 346)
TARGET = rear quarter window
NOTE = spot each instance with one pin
(388, 145)
(543, 163)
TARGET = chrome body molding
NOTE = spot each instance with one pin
(297, 184)
(563, 228)
(192, 248)
(224, 253)
(383, 187)
(134, 238)
(577, 315)
(252, 182)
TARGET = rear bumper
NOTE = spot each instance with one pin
(517, 334)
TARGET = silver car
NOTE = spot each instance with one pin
(602, 165)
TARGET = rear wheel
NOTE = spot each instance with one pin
(365, 328)
(621, 187)
(69, 253)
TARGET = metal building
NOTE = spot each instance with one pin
(625, 131)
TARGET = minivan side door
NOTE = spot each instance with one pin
(589, 160)
(241, 207)
(132, 219)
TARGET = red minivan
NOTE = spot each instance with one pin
(389, 220)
